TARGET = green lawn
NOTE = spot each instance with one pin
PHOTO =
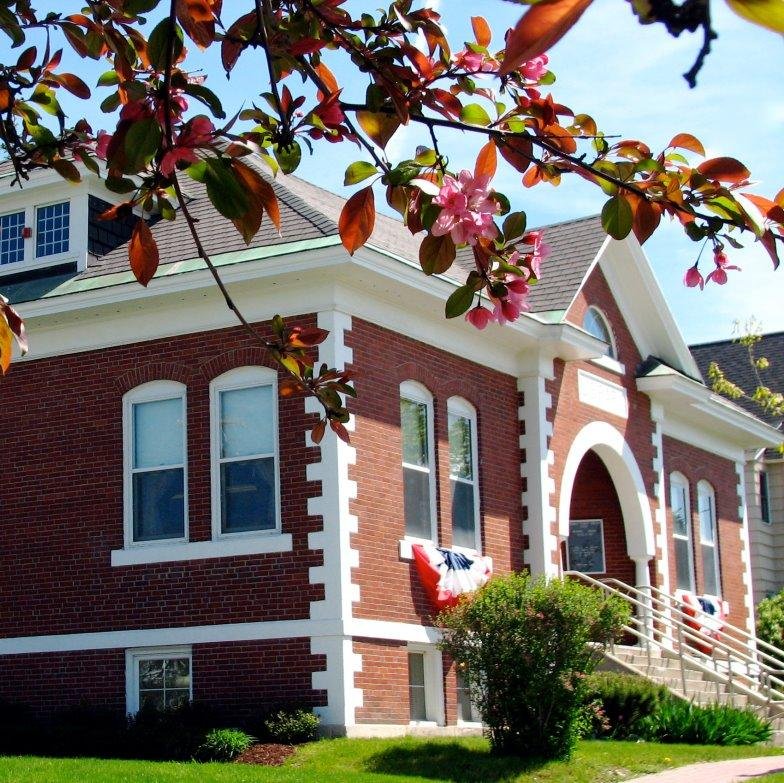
(387, 761)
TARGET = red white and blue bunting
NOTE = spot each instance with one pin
(446, 574)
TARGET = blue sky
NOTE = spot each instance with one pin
(628, 77)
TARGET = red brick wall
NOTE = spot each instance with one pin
(390, 588)
(62, 456)
(383, 680)
(696, 464)
(594, 497)
(569, 415)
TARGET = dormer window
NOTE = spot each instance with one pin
(52, 228)
(596, 325)
(12, 237)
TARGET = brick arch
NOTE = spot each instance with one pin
(617, 456)
(412, 371)
(245, 356)
(155, 371)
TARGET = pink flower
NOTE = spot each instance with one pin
(693, 278)
(196, 133)
(508, 308)
(466, 209)
(533, 70)
(719, 274)
(479, 317)
(474, 62)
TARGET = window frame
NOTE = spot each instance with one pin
(52, 258)
(706, 490)
(134, 656)
(764, 496)
(677, 479)
(476, 717)
(247, 377)
(153, 391)
(11, 265)
(460, 407)
(612, 348)
(434, 683)
(413, 391)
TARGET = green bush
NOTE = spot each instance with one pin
(615, 703)
(223, 745)
(526, 646)
(716, 724)
(171, 734)
(770, 620)
(292, 726)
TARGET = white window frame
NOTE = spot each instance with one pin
(241, 378)
(706, 491)
(458, 406)
(601, 531)
(151, 392)
(612, 348)
(476, 718)
(54, 258)
(16, 264)
(416, 392)
(434, 683)
(135, 655)
(681, 482)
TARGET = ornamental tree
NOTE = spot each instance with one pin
(166, 124)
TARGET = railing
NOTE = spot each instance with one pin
(731, 657)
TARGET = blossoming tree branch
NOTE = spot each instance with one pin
(494, 89)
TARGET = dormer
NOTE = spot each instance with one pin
(51, 226)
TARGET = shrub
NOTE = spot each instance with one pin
(615, 703)
(770, 620)
(526, 646)
(223, 745)
(174, 733)
(716, 724)
(292, 726)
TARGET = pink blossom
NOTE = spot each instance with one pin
(479, 317)
(719, 274)
(508, 307)
(466, 209)
(474, 62)
(693, 278)
(102, 144)
(196, 133)
(533, 70)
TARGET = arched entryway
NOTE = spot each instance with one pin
(602, 481)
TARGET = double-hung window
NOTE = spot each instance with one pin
(52, 228)
(463, 474)
(419, 489)
(706, 507)
(681, 532)
(12, 238)
(155, 463)
(245, 452)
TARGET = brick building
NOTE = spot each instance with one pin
(171, 531)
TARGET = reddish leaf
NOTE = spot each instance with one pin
(724, 170)
(436, 254)
(288, 387)
(143, 253)
(73, 84)
(66, 170)
(357, 219)
(231, 46)
(26, 59)
(486, 161)
(11, 326)
(482, 31)
(539, 29)
(198, 21)
(379, 127)
(780, 198)
(328, 79)
(517, 151)
(6, 346)
(339, 430)
(301, 337)
(646, 219)
(5, 98)
(769, 243)
(256, 187)
(317, 433)
(770, 209)
(686, 141)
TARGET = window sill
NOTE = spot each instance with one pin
(608, 363)
(405, 545)
(201, 550)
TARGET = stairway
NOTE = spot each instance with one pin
(729, 666)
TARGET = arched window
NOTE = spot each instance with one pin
(464, 473)
(244, 445)
(419, 485)
(681, 531)
(155, 463)
(709, 542)
(595, 323)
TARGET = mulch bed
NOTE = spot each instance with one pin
(270, 754)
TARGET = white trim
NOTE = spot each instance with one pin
(152, 391)
(434, 683)
(706, 491)
(601, 540)
(745, 550)
(260, 544)
(233, 380)
(679, 481)
(660, 491)
(415, 392)
(607, 363)
(603, 394)
(461, 408)
(132, 658)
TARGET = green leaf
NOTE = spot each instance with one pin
(459, 301)
(694, 232)
(617, 217)
(358, 171)
(142, 142)
(425, 156)
(611, 169)
(223, 190)
(159, 42)
(288, 157)
(110, 103)
(119, 184)
(207, 97)
(514, 226)
(474, 114)
(45, 98)
(108, 79)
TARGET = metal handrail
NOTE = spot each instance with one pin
(744, 670)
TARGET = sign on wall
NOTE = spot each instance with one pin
(585, 546)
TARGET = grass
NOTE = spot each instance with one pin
(406, 760)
